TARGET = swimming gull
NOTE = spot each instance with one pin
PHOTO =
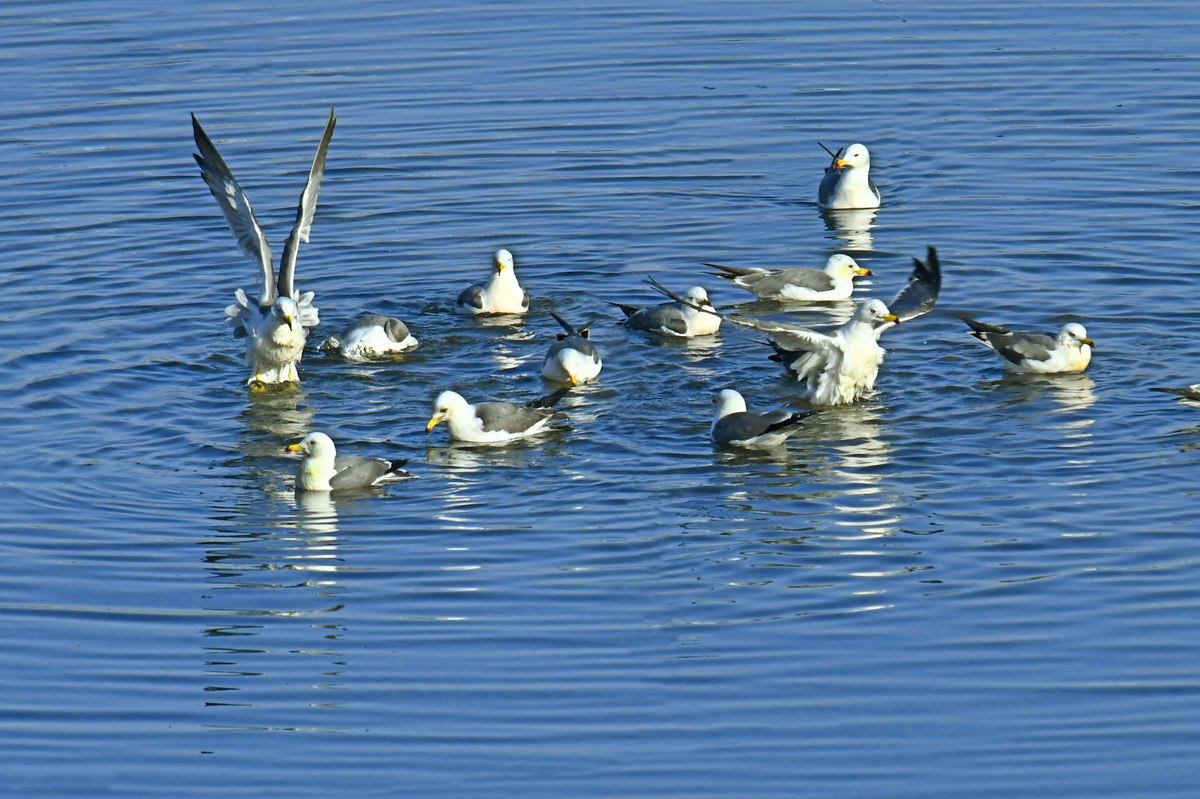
(1036, 353)
(840, 366)
(275, 323)
(834, 282)
(738, 427)
(572, 358)
(324, 470)
(371, 337)
(502, 294)
(691, 315)
(494, 422)
(847, 182)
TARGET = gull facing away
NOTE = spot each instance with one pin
(847, 182)
(275, 323)
(1037, 353)
(689, 316)
(494, 422)
(371, 337)
(572, 358)
(735, 426)
(839, 367)
(324, 470)
(834, 282)
(501, 294)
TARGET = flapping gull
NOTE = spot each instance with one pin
(1037, 353)
(839, 367)
(847, 182)
(275, 323)
(834, 282)
(689, 316)
(324, 470)
(735, 426)
(371, 337)
(494, 422)
(501, 294)
(572, 358)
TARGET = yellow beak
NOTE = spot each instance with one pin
(864, 272)
(841, 162)
(1089, 342)
(891, 317)
(434, 422)
(294, 448)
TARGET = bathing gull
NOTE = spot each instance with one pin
(572, 358)
(371, 337)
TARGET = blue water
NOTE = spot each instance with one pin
(967, 585)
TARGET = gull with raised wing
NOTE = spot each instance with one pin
(275, 323)
(324, 470)
(572, 358)
(1037, 353)
(839, 367)
(501, 294)
(847, 182)
(834, 282)
(737, 427)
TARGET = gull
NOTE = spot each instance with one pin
(371, 337)
(839, 367)
(572, 358)
(275, 323)
(1189, 393)
(691, 315)
(501, 294)
(494, 422)
(324, 470)
(847, 182)
(1037, 353)
(834, 282)
(738, 427)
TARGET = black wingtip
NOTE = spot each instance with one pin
(550, 400)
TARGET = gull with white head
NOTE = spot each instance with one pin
(324, 470)
(834, 282)
(847, 182)
(737, 427)
(689, 316)
(1037, 353)
(572, 358)
(275, 323)
(494, 422)
(501, 294)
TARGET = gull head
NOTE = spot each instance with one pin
(502, 259)
(1075, 333)
(875, 313)
(317, 445)
(286, 310)
(446, 407)
(729, 401)
(856, 155)
(843, 266)
(698, 296)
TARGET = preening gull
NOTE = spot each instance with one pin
(840, 366)
(834, 282)
(275, 323)
(689, 316)
(324, 470)
(1037, 353)
(572, 358)
(501, 294)
(371, 337)
(847, 182)
(735, 426)
(494, 422)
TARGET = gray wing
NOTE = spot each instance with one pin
(774, 281)
(510, 418)
(829, 185)
(920, 294)
(1188, 392)
(355, 472)
(304, 212)
(667, 316)
(577, 343)
(235, 205)
(472, 295)
(747, 425)
(1018, 347)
